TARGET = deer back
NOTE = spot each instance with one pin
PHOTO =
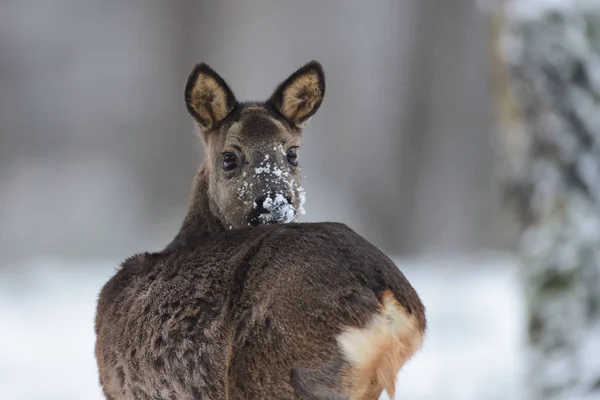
(239, 313)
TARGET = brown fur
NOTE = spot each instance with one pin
(284, 311)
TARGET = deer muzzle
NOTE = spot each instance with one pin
(273, 209)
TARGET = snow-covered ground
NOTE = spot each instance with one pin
(472, 350)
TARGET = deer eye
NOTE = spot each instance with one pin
(292, 156)
(229, 161)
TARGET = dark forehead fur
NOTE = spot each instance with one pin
(258, 119)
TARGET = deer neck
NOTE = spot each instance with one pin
(200, 221)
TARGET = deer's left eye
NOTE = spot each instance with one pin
(292, 156)
(229, 161)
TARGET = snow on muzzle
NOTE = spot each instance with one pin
(273, 209)
(279, 186)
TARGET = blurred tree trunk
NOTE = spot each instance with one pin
(444, 162)
(546, 67)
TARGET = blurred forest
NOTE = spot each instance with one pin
(547, 74)
(97, 151)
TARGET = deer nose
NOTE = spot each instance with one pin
(272, 209)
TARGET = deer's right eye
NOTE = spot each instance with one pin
(229, 161)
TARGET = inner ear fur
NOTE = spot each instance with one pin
(207, 97)
(300, 95)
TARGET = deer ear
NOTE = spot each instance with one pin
(300, 95)
(207, 97)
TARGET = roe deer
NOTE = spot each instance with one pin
(270, 311)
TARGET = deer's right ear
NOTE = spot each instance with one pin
(207, 97)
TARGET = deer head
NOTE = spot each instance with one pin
(251, 165)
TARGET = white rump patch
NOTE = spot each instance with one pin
(380, 349)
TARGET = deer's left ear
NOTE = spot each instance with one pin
(207, 97)
(300, 95)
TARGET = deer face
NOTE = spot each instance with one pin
(252, 148)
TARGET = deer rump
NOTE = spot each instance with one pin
(310, 311)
